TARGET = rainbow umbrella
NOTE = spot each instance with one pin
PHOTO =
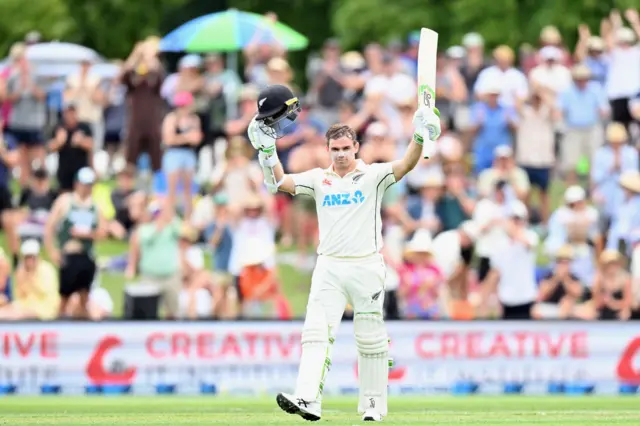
(230, 31)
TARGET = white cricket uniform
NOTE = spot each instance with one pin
(350, 268)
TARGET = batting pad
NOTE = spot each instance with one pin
(315, 361)
(373, 362)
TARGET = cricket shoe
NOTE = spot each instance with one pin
(371, 416)
(308, 410)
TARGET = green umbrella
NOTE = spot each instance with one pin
(230, 31)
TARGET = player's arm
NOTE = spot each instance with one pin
(427, 131)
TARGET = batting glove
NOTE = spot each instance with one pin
(426, 123)
(260, 140)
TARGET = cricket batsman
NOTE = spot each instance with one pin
(350, 268)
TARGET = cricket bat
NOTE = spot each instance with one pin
(427, 54)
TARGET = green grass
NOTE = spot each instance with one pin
(175, 411)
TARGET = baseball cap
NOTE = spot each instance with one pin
(190, 61)
(30, 247)
(472, 40)
(574, 194)
(86, 176)
(503, 151)
(518, 209)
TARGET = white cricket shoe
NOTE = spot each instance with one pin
(371, 416)
(308, 410)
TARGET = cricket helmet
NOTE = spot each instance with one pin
(278, 108)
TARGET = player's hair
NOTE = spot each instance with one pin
(338, 131)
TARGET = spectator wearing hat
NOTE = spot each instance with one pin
(154, 255)
(35, 287)
(513, 268)
(549, 37)
(576, 224)
(535, 145)
(582, 108)
(28, 118)
(73, 141)
(453, 252)
(327, 78)
(450, 89)
(626, 218)
(421, 281)
(475, 61)
(84, 90)
(279, 72)
(609, 163)
(16, 55)
(612, 294)
(491, 215)
(551, 75)
(222, 86)
(505, 169)
(248, 108)
(560, 290)
(181, 134)
(186, 79)
(623, 57)
(142, 75)
(72, 229)
(510, 82)
(492, 124)
(590, 51)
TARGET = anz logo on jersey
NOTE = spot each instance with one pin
(343, 199)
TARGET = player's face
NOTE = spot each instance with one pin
(343, 151)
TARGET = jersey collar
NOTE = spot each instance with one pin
(361, 166)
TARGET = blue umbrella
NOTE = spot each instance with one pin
(230, 31)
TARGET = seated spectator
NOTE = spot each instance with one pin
(128, 205)
(35, 204)
(5, 279)
(504, 168)
(560, 290)
(99, 305)
(575, 223)
(612, 294)
(513, 268)
(36, 287)
(627, 216)
(421, 281)
(259, 284)
(491, 215)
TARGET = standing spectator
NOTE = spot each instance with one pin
(75, 224)
(535, 146)
(327, 83)
(505, 169)
(9, 158)
(154, 254)
(36, 287)
(590, 51)
(623, 76)
(550, 76)
(491, 125)
(73, 141)
(582, 107)
(222, 85)
(421, 281)
(609, 163)
(450, 89)
(115, 119)
(238, 125)
(280, 72)
(262, 47)
(28, 115)
(626, 217)
(181, 134)
(475, 60)
(85, 92)
(16, 55)
(143, 77)
(549, 37)
(220, 237)
(513, 268)
(509, 82)
(187, 79)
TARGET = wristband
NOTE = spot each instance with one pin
(268, 161)
(418, 139)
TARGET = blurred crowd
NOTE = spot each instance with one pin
(531, 208)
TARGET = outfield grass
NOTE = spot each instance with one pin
(175, 411)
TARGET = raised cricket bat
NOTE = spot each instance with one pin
(427, 54)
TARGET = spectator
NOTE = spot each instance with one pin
(491, 125)
(16, 54)
(623, 74)
(238, 125)
(187, 79)
(128, 205)
(502, 79)
(422, 211)
(455, 205)
(549, 37)
(36, 287)
(220, 237)
(261, 48)
(450, 89)
(582, 107)
(154, 254)
(100, 305)
(378, 146)
(491, 215)
(590, 51)
(576, 224)
(551, 76)
(73, 141)
(475, 60)
(115, 118)
(84, 91)
(327, 82)
(28, 115)
(421, 283)
(35, 203)
(513, 268)
(535, 146)
(609, 163)
(75, 224)
(505, 169)
(222, 85)
(6, 290)
(627, 215)
(9, 158)
(560, 291)
(612, 291)
(181, 134)
(143, 76)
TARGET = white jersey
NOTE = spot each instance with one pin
(348, 207)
